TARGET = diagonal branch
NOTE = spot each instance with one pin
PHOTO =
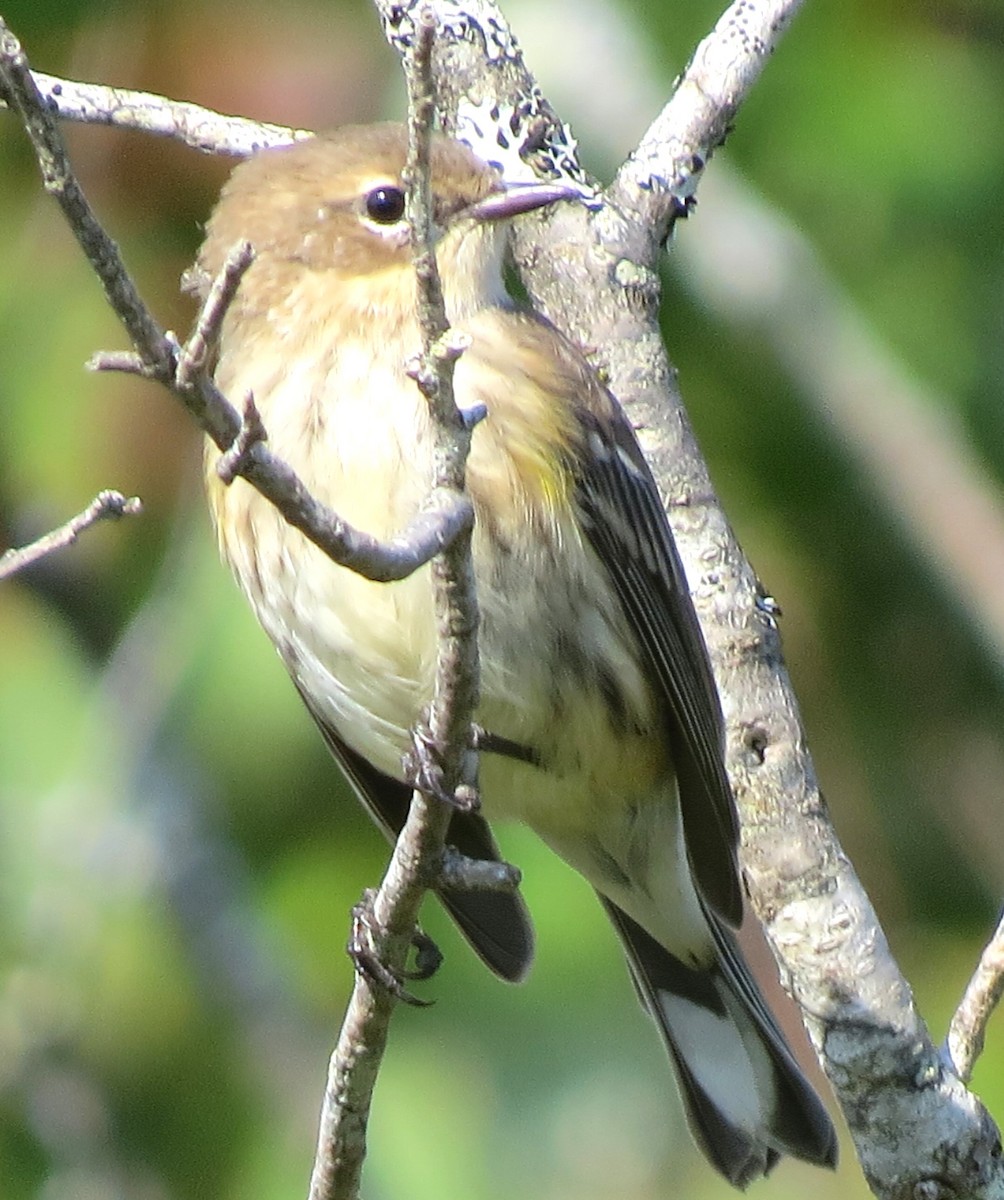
(105, 505)
(660, 177)
(983, 993)
(60, 182)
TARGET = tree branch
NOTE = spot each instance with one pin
(465, 874)
(194, 126)
(105, 505)
(659, 178)
(447, 739)
(159, 357)
(59, 181)
(964, 1042)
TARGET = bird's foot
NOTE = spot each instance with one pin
(423, 769)
(367, 960)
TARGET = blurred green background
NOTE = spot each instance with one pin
(177, 854)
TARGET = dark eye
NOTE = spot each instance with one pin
(385, 205)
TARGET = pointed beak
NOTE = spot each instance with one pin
(517, 198)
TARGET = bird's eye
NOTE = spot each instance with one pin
(385, 205)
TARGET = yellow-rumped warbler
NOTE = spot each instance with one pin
(603, 726)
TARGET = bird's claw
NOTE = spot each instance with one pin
(367, 960)
(423, 769)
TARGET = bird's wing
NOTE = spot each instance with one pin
(497, 924)
(625, 523)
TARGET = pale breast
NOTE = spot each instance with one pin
(560, 676)
(355, 434)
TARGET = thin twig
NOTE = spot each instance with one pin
(419, 850)
(197, 351)
(60, 182)
(105, 505)
(964, 1043)
(457, 871)
(127, 361)
(194, 126)
(458, 684)
(659, 179)
(252, 433)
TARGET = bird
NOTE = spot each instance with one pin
(602, 726)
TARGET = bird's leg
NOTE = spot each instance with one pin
(486, 742)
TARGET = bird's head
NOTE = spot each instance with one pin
(332, 208)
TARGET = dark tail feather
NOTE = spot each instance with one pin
(746, 1098)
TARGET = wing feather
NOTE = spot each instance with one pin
(625, 523)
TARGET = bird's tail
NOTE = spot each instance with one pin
(746, 1098)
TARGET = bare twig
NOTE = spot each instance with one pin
(60, 182)
(457, 686)
(195, 356)
(419, 851)
(105, 505)
(465, 874)
(964, 1043)
(127, 361)
(252, 433)
(200, 128)
(659, 178)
